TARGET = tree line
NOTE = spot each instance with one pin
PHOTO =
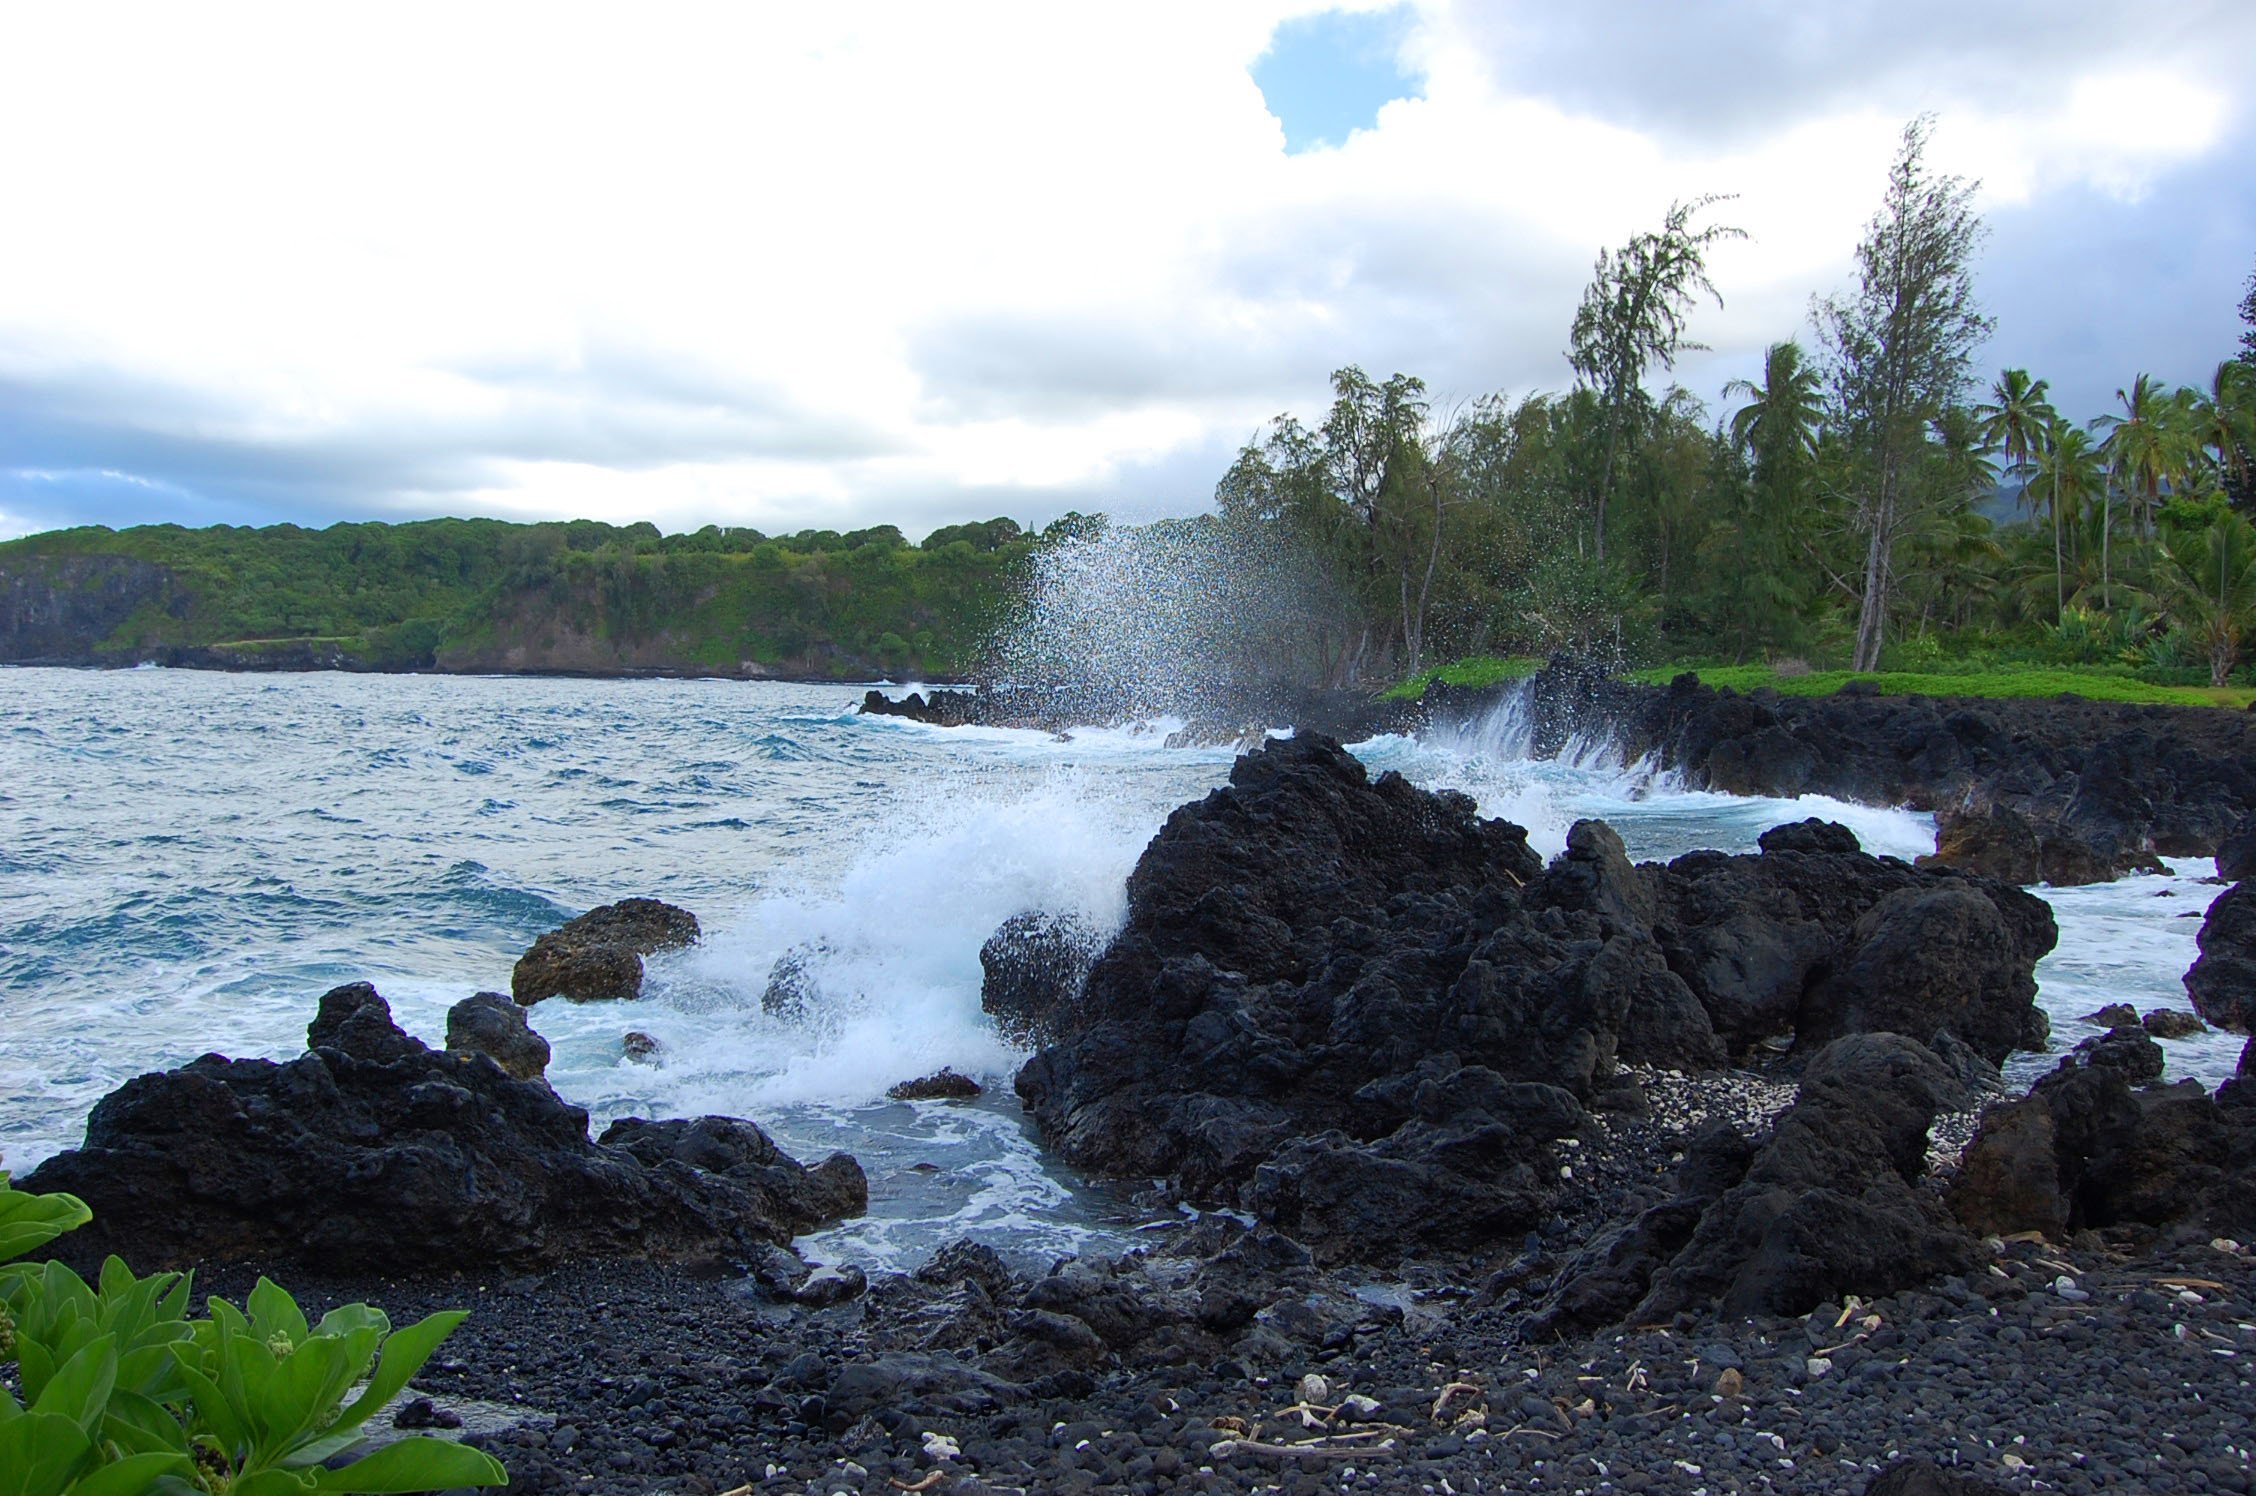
(1868, 501)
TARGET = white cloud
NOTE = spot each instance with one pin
(793, 265)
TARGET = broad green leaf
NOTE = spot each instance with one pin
(135, 1475)
(214, 1415)
(80, 1388)
(175, 1305)
(142, 1425)
(39, 1453)
(29, 1222)
(116, 1280)
(412, 1465)
(34, 1365)
(271, 1483)
(274, 1312)
(309, 1382)
(404, 1355)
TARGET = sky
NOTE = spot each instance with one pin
(791, 266)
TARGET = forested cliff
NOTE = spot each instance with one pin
(487, 595)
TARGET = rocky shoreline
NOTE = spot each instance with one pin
(1469, 1173)
(2061, 791)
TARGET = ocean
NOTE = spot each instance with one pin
(189, 859)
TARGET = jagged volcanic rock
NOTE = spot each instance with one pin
(373, 1153)
(2097, 1143)
(2058, 790)
(1829, 1205)
(1364, 1013)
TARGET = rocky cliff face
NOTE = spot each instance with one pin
(60, 609)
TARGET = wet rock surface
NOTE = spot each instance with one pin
(373, 1152)
(1375, 1020)
(2061, 790)
(598, 955)
(941, 1085)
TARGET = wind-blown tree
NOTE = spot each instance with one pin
(1354, 499)
(1632, 317)
(1901, 349)
(2207, 582)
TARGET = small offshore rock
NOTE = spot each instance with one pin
(637, 1045)
(942, 1085)
(2114, 1015)
(598, 955)
(490, 1024)
(2172, 1023)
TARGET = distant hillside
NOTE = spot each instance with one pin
(486, 595)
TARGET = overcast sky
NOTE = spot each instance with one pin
(848, 264)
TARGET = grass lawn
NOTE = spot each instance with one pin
(2093, 684)
(1478, 670)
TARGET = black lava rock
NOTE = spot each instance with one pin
(372, 1152)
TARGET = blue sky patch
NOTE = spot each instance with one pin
(1325, 76)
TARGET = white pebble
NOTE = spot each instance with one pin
(1820, 1365)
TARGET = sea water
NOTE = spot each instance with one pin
(189, 859)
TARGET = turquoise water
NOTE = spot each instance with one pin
(188, 859)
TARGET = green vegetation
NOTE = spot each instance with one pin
(1480, 670)
(2093, 684)
(484, 594)
(124, 1394)
(1866, 504)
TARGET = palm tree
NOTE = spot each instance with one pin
(2208, 582)
(2222, 418)
(2068, 473)
(2014, 421)
(1781, 415)
(1777, 428)
(2144, 447)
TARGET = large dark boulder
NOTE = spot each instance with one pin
(372, 1153)
(1797, 941)
(1926, 1478)
(2222, 982)
(2099, 1143)
(1925, 961)
(1830, 1203)
(799, 1197)
(2011, 845)
(599, 954)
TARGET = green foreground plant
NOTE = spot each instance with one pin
(123, 1394)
